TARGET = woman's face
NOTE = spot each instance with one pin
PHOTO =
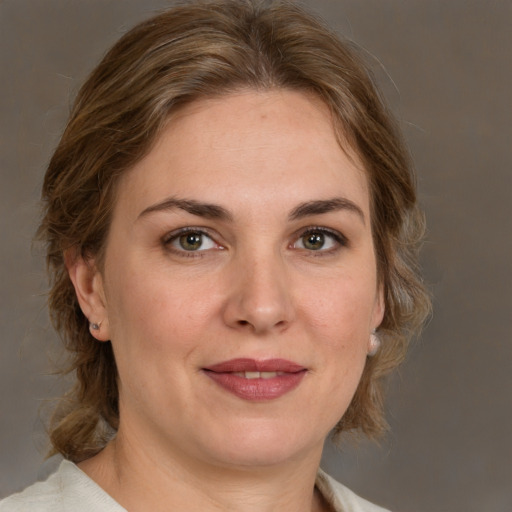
(239, 285)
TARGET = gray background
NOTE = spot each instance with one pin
(450, 407)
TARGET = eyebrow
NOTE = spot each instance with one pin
(325, 206)
(214, 211)
(206, 210)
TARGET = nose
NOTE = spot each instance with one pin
(260, 295)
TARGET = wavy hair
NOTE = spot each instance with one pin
(205, 49)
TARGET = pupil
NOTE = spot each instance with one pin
(314, 241)
(191, 241)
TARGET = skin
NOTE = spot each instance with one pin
(255, 289)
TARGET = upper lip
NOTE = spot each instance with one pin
(254, 365)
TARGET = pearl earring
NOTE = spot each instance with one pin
(95, 326)
(375, 343)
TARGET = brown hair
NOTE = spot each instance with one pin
(203, 49)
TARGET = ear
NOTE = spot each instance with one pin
(378, 309)
(88, 284)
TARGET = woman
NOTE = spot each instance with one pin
(231, 229)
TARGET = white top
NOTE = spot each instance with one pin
(71, 490)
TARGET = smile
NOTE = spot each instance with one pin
(258, 375)
(254, 380)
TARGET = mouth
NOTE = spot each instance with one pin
(259, 375)
(255, 380)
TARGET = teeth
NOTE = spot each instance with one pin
(257, 375)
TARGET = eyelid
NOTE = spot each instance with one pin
(182, 231)
(338, 237)
(173, 235)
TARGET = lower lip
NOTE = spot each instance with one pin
(257, 389)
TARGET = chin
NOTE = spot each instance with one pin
(267, 445)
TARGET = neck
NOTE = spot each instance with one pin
(142, 479)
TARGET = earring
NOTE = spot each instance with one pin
(374, 344)
(95, 326)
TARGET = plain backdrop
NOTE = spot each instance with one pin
(446, 68)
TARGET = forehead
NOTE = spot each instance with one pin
(275, 145)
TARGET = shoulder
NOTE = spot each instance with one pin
(67, 489)
(341, 498)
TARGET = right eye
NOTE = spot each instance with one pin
(190, 240)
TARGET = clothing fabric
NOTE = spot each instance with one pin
(340, 498)
(71, 490)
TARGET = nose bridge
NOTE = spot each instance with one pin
(260, 298)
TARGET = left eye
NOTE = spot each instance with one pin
(191, 241)
(317, 240)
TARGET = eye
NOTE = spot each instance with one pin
(190, 240)
(319, 239)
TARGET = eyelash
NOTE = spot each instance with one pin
(175, 235)
(339, 239)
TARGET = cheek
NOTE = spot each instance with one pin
(153, 336)
(343, 309)
(150, 309)
(339, 323)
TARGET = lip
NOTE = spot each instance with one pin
(289, 376)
